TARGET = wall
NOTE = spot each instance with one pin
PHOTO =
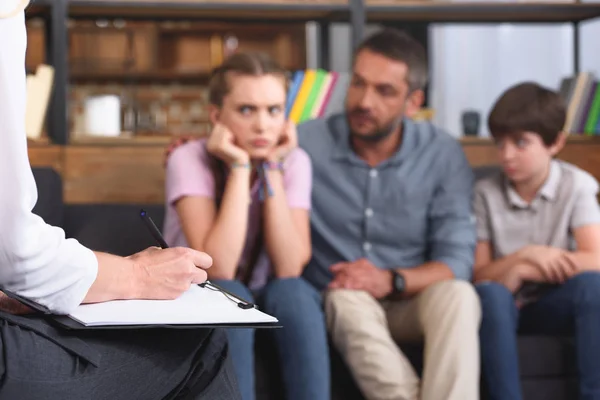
(472, 64)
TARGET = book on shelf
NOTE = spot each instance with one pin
(316, 93)
(581, 94)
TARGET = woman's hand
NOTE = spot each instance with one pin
(221, 144)
(288, 141)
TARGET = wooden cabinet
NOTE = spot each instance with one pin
(112, 47)
(119, 49)
(133, 172)
(36, 44)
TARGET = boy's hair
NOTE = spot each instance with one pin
(399, 46)
(249, 64)
(528, 107)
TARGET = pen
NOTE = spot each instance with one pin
(163, 244)
(153, 229)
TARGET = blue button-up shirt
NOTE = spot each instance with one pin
(413, 208)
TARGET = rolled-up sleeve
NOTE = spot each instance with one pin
(36, 260)
(451, 230)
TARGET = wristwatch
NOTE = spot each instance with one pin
(398, 282)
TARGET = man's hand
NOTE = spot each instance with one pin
(362, 275)
(164, 274)
(179, 141)
(288, 141)
(555, 264)
(12, 306)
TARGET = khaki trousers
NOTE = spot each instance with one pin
(446, 316)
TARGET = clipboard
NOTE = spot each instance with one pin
(181, 313)
(177, 314)
(67, 323)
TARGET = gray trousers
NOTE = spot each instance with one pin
(40, 361)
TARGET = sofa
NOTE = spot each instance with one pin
(548, 368)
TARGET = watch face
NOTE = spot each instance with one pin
(398, 282)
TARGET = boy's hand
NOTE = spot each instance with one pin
(512, 278)
(515, 276)
(555, 264)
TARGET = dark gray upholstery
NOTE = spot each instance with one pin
(547, 364)
(114, 228)
(50, 199)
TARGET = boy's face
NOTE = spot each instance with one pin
(525, 157)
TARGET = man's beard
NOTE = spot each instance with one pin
(378, 135)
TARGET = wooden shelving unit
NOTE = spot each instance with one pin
(124, 169)
(484, 12)
(573, 138)
(243, 11)
(78, 40)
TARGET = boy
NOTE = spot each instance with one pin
(538, 251)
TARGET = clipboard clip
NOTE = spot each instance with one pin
(241, 303)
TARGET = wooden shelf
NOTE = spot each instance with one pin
(158, 76)
(573, 138)
(42, 141)
(466, 12)
(38, 8)
(266, 10)
(157, 140)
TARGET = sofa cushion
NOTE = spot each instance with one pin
(49, 204)
(545, 356)
(116, 229)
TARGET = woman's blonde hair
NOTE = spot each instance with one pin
(19, 7)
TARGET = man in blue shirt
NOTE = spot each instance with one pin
(392, 231)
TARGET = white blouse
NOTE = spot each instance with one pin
(36, 260)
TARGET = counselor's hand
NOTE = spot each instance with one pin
(164, 274)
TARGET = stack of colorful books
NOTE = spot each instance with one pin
(316, 93)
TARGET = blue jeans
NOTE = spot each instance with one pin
(573, 308)
(301, 342)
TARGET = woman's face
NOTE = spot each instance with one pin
(254, 112)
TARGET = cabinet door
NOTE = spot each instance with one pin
(36, 46)
(111, 46)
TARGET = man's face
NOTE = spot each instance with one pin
(378, 95)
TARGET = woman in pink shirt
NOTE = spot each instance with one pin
(243, 196)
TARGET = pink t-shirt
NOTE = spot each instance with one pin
(188, 174)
